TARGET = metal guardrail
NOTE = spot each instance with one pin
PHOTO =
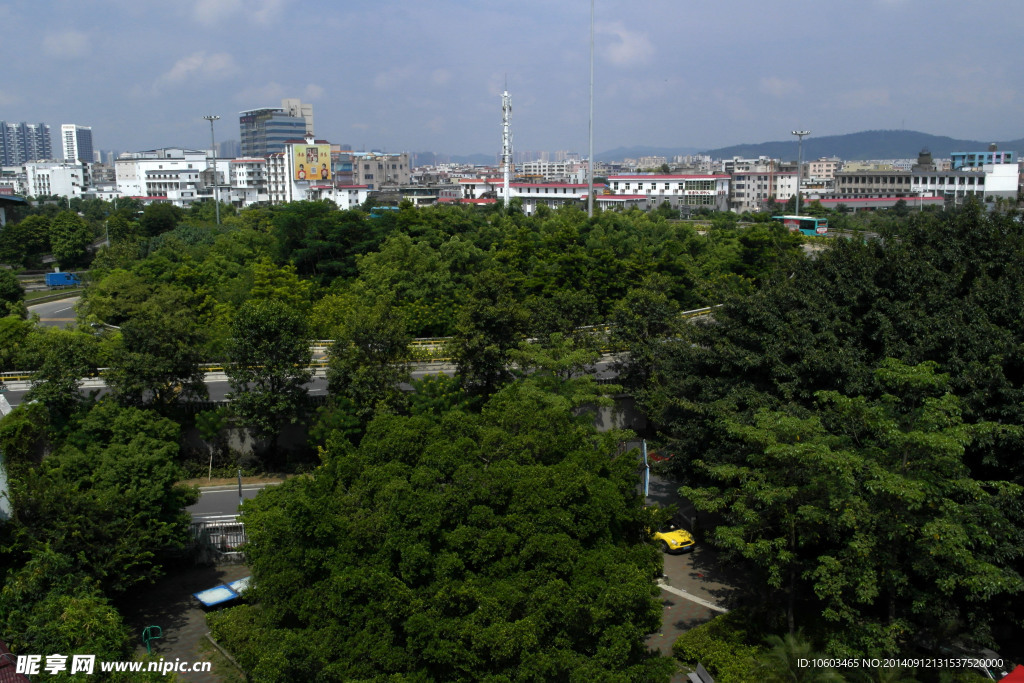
(65, 294)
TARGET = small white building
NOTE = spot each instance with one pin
(248, 178)
(57, 178)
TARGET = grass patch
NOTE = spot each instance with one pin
(54, 296)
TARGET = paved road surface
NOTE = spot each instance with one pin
(60, 313)
(217, 501)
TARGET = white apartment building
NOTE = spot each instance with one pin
(710, 190)
(751, 190)
(248, 179)
(57, 178)
(172, 173)
(76, 141)
(549, 171)
(822, 169)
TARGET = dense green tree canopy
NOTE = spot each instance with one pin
(857, 424)
(508, 545)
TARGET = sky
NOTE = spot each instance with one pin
(427, 76)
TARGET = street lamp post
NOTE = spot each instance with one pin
(213, 150)
(799, 163)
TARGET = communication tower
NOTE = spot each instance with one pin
(506, 144)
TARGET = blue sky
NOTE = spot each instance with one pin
(427, 76)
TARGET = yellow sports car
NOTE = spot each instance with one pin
(673, 540)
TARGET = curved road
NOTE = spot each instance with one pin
(60, 313)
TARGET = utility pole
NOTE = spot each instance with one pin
(799, 163)
(213, 150)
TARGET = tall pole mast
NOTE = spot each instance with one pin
(506, 144)
(590, 154)
(799, 163)
(213, 150)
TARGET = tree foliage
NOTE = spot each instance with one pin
(508, 544)
(853, 422)
(269, 355)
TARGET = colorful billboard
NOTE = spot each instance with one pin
(312, 162)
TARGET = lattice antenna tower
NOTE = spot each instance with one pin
(506, 143)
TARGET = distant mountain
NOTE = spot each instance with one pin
(869, 144)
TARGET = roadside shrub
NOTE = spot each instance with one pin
(723, 646)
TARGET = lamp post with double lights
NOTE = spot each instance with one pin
(799, 163)
(213, 150)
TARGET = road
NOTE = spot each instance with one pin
(219, 501)
(695, 587)
(60, 313)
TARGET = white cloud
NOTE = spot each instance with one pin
(392, 78)
(779, 87)
(213, 12)
(198, 67)
(631, 47)
(66, 44)
(268, 94)
(313, 92)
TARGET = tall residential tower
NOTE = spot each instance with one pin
(76, 141)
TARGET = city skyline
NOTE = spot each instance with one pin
(399, 77)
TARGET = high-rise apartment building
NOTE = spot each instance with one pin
(265, 131)
(21, 142)
(76, 142)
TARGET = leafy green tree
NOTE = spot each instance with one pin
(368, 362)
(121, 226)
(49, 607)
(70, 237)
(10, 289)
(158, 355)
(158, 218)
(491, 324)
(68, 358)
(111, 488)
(24, 241)
(868, 514)
(639, 323)
(502, 545)
(269, 355)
